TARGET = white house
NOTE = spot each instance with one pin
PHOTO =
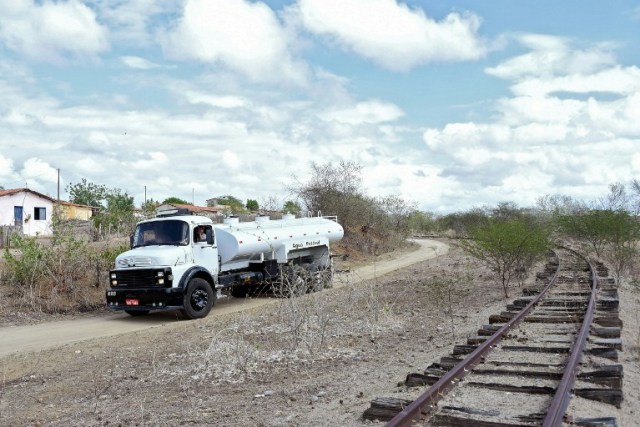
(27, 209)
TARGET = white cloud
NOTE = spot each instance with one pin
(241, 35)
(392, 34)
(220, 101)
(36, 170)
(6, 167)
(90, 166)
(49, 31)
(373, 111)
(547, 137)
(132, 21)
(138, 63)
(615, 80)
(153, 161)
(550, 55)
(230, 159)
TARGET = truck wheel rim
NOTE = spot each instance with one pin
(199, 299)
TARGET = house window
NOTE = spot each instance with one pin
(40, 214)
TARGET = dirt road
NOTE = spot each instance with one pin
(30, 338)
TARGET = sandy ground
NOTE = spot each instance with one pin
(312, 361)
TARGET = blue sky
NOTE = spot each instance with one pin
(449, 104)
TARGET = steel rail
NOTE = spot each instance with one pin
(560, 402)
(433, 394)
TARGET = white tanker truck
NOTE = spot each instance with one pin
(180, 261)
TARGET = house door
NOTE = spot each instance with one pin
(17, 215)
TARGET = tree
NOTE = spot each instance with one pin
(593, 226)
(506, 247)
(622, 251)
(558, 204)
(635, 197)
(269, 203)
(332, 190)
(252, 205)
(291, 207)
(149, 208)
(118, 214)
(397, 214)
(462, 223)
(235, 205)
(175, 201)
(616, 200)
(422, 222)
(87, 193)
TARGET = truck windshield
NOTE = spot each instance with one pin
(169, 232)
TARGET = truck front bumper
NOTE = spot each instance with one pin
(144, 299)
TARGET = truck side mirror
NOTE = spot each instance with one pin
(131, 241)
(209, 234)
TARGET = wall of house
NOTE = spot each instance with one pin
(75, 212)
(29, 201)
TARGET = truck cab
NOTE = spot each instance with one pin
(167, 258)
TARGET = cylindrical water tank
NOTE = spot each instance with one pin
(245, 239)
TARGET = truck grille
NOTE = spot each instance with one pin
(141, 278)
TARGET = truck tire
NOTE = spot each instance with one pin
(291, 283)
(198, 299)
(136, 313)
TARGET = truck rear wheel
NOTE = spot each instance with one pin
(293, 282)
(198, 299)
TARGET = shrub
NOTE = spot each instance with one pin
(69, 273)
(508, 247)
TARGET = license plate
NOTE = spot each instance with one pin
(131, 301)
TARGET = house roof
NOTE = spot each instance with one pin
(13, 191)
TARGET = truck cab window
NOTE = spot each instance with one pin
(200, 233)
(170, 232)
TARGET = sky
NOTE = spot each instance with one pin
(448, 104)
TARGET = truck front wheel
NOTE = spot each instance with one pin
(198, 299)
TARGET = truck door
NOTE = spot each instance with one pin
(205, 251)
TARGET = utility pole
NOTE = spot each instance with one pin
(58, 185)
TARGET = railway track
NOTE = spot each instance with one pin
(536, 363)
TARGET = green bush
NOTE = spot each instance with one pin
(508, 247)
(25, 268)
(67, 274)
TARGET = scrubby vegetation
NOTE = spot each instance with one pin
(65, 273)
